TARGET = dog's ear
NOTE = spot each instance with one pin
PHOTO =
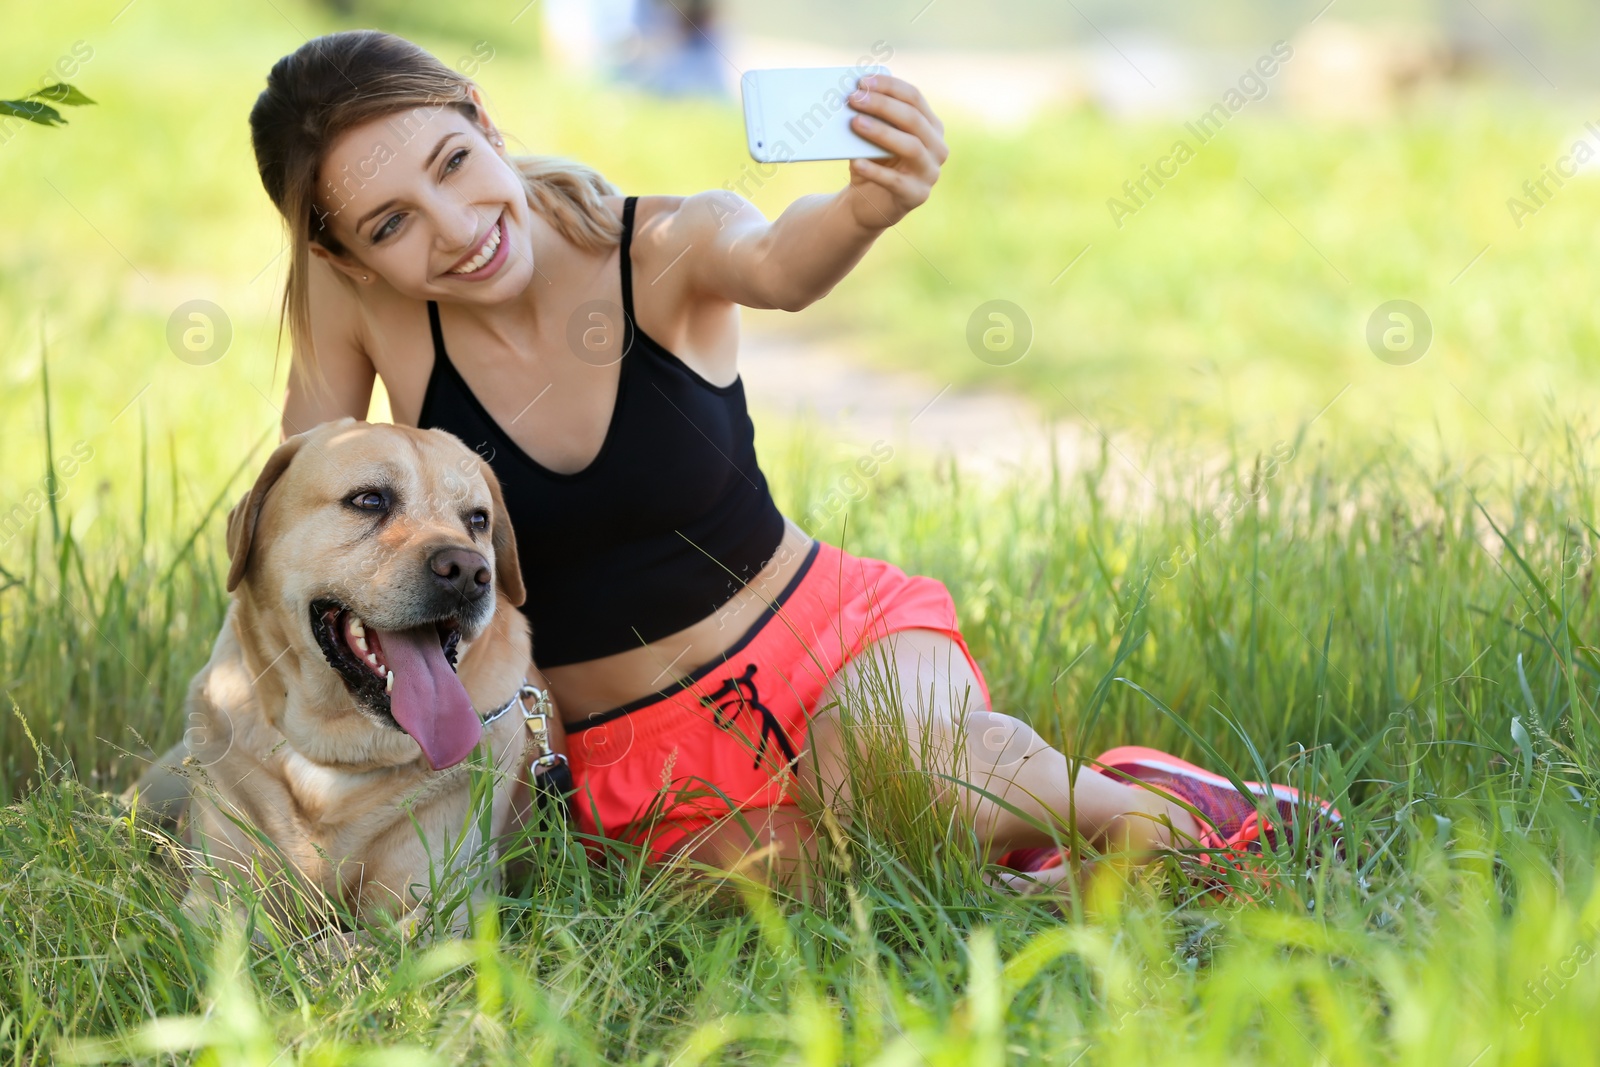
(242, 519)
(507, 566)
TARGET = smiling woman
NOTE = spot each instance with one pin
(700, 647)
(396, 125)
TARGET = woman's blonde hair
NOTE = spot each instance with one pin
(332, 84)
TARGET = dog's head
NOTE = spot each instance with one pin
(377, 550)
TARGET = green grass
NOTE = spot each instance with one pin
(1399, 657)
(1399, 613)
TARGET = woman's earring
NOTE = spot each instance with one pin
(499, 141)
(365, 278)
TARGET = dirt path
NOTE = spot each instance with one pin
(990, 433)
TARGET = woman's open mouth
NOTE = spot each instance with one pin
(488, 257)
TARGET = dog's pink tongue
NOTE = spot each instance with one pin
(429, 701)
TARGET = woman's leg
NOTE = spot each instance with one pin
(950, 731)
(779, 845)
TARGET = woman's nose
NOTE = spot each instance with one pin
(458, 229)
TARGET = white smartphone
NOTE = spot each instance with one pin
(801, 113)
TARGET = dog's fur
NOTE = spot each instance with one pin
(278, 744)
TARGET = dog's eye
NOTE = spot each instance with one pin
(478, 521)
(370, 501)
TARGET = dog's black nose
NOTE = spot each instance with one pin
(462, 571)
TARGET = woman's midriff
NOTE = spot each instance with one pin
(584, 689)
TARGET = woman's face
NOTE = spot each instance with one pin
(426, 201)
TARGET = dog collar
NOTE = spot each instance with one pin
(541, 703)
(536, 719)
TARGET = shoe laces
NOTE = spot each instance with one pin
(1228, 853)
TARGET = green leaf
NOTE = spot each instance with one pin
(61, 93)
(43, 114)
(1519, 734)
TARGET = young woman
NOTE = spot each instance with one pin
(701, 648)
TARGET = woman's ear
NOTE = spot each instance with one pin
(343, 264)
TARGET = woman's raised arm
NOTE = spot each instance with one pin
(733, 252)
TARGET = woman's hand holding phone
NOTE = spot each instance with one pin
(895, 145)
(894, 116)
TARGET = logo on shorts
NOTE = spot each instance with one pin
(734, 696)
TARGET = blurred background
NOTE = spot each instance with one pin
(1403, 151)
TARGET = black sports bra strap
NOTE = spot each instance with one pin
(697, 519)
(438, 333)
(628, 205)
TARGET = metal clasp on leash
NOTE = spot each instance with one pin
(537, 720)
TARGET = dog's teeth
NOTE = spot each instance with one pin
(372, 659)
(361, 642)
(358, 628)
(388, 685)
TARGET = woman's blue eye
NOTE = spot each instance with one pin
(389, 225)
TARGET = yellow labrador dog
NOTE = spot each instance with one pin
(371, 645)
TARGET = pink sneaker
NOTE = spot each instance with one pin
(1032, 860)
(1042, 858)
(1235, 827)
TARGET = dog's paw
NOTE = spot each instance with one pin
(337, 946)
(413, 922)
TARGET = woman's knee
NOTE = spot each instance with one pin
(915, 695)
(982, 743)
(998, 743)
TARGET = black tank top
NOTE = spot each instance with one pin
(667, 523)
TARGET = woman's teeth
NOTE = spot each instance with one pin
(485, 254)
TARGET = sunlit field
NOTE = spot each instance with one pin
(1290, 558)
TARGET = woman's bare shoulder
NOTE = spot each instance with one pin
(655, 214)
(696, 227)
(667, 230)
(672, 236)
